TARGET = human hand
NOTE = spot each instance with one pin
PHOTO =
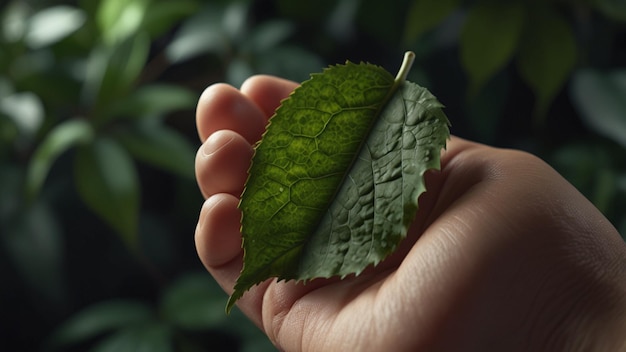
(504, 254)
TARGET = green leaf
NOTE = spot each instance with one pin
(53, 24)
(267, 36)
(193, 302)
(119, 20)
(489, 39)
(13, 21)
(547, 55)
(154, 100)
(107, 182)
(215, 29)
(161, 147)
(97, 319)
(31, 239)
(588, 166)
(112, 71)
(61, 138)
(149, 337)
(615, 9)
(601, 99)
(163, 16)
(334, 182)
(424, 15)
(25, 109)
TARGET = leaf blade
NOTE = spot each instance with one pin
(299, 130)
(380, 209)
(304, 164)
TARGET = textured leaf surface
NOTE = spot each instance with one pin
(334, 183)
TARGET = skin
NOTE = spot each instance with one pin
(504, 254)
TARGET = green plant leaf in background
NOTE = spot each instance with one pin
(164, 15)
(62, 137)
(25, 110)
(489, 39)
(424, 15)
(52, 25)
(155, 100)
(152, 336)
(112, 71)
(31, 239)
(601, 99)
(107, 182)
(161, 147)
(615, 9)
(202, 33)
(100, 318)
(334, 182)
(118, 20)
(193, 302)
(547, 54)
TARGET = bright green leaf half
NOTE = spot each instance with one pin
(489, 39)
(547, 55)
(334, 183)
(108, 183)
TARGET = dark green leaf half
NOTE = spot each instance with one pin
(334, 182)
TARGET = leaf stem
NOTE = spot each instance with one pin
(407, 63)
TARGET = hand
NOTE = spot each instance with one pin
(504, 254)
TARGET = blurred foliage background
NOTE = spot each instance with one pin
(98, 201)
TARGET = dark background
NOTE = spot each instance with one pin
(98, 201)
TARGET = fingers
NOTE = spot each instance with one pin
(267, 91)
(218, 240)
(218, 243)
(222, 107)
(222, 163)
(229, 121)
